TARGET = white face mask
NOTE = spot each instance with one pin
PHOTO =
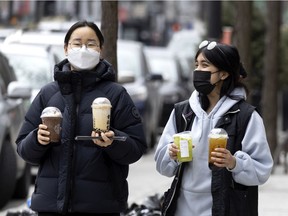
(83, 59)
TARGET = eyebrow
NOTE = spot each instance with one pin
(77, 39)
(89, 40)
(204, 61)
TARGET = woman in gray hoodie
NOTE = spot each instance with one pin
(241, 166)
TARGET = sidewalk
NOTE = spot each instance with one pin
(145, 181)
(273, 195)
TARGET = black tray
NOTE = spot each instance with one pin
(117, 138)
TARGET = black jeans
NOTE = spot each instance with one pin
(77, 214)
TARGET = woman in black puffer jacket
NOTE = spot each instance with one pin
(82, 177)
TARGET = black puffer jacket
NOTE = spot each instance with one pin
(79, 176)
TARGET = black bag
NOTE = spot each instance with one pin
(183, 116)
(171, 195)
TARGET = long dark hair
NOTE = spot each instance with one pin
(225, 57)
(84, 23)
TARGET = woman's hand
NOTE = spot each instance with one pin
(43, 135)
(223, 158)
(173, 150)
(105, 141)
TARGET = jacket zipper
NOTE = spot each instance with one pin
(72, 170)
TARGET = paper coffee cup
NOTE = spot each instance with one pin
(217, 139)
(101, 110)
(52, 118)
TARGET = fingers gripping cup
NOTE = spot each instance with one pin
(52, 118)
(184, 142)
(217, 139)
(101, 109)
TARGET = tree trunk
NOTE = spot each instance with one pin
(271, 71)
(242, 35)
(109, 28)
(214, 20)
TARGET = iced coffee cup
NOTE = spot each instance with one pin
(101, 109)
(217, 139)
(184, 142)
(52, 118)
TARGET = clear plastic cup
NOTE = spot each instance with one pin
(217, 139)
(101, 111)
(52, 118)
(184, 142)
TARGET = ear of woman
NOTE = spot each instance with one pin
(224, 75)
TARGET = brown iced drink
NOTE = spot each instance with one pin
(52, 118)
(101, 109)
(217, 139)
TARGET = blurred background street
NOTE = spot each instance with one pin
(154, 59)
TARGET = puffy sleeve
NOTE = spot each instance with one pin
(254, 163)
(28, 146)
(126, 122)
(164, 164)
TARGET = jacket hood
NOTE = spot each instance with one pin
(103, 71)
(221, 108)
(207, 121)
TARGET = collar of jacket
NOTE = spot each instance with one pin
(103, 71)
(226, 118)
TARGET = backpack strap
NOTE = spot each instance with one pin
(184, 116)
(243, 119)
(243, 116)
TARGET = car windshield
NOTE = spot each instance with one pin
(31, 69)
(167, 68)
(128, 62)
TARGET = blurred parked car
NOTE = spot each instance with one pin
(14, 172)
(134, 73)
(5, 32)
(175, 86)
(55, 40)
(184, 44)
(187, 68)
(33, 64)
(55, 25)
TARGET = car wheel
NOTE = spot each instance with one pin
(7, 172)
(23, 184)
(153, 140)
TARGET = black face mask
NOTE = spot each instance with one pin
(201, 81)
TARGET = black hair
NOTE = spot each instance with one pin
(225, 57)
(84, 23)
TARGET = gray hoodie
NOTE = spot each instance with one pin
(253, 163)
